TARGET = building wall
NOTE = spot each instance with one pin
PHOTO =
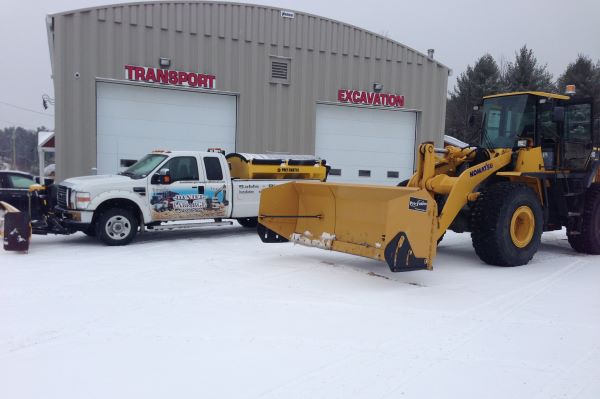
(235, 43)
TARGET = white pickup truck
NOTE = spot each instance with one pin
(173, 190)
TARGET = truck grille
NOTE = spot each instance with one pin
(62, 197)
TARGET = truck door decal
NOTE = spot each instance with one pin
(186, 203)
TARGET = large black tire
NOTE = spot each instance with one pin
(494, 213)
(248, 222)
(116, 226)
(588, 241)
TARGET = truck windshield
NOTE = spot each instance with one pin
(144, 166)
(506, 119)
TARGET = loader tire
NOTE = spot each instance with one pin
(506, 223)
(248, 222)
(116, 227)
(588, 241)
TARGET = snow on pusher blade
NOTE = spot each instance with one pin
(392, 224)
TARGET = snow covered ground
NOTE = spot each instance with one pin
(215, 313)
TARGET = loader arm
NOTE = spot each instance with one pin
(458, 189)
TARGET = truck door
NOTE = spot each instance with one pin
(179, 196)
(215, 188)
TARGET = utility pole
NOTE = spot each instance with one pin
(14, 149)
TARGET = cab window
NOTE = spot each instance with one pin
(182, 169)
(213, 168)
(578, 123)
(20, 181)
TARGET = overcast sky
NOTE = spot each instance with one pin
(458, 30)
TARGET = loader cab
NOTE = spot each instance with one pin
(559, 124)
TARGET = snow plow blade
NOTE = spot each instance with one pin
(392, 224)
(15, 229)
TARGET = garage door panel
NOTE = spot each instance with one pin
(133, 120)
(383, 146)
(368, 139)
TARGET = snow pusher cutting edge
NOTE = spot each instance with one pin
(393, 224)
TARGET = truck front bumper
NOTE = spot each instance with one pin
(76, 220)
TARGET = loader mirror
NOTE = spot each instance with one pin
(558, 114)
(471, 121)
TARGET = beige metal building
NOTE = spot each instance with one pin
(130, 78)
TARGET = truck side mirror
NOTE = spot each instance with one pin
(558, 114)
(163, 176)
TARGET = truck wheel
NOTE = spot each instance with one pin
(116, 226)
(248, 222)
(588, 241)
(506, 222)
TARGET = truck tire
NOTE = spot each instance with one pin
(507, 223)
(116, 226)
(588, 241)
(248, 222)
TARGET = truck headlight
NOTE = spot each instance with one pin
(81, 200)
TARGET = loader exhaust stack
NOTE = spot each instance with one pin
(394, 224)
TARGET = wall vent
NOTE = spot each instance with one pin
(280, 70)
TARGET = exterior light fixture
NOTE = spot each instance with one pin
(377, 87)
(570, 89)
(164, 62)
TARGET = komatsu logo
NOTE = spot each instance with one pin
(482, 169)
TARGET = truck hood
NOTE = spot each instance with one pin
(89, 183)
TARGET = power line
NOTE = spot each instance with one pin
(19, 124)
(26, 109)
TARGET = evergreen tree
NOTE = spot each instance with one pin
(525, 73)
(480, 80)
(586, 78)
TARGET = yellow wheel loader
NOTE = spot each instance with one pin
(536, 170)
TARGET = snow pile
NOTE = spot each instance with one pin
(306, 238)
(215, 313)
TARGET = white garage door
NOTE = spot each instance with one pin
(134, 120)
(366, 145)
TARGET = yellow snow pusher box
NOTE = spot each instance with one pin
(15, 229)
(277, 166)
(392, 224)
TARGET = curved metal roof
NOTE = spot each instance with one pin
(88, 9)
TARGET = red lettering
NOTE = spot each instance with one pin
(348, 95)
(377, 99)
(355, 96)
(193, 79)
(210, 81)
(162, 76)
(384, 99)
(173, 77)
(400, 101)
(201, 80)
(182, 77)
(370, 97)
(341, 95)
(139, 73)
(150, 75)
(392, 100)
(129, 70)
(363, 97)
